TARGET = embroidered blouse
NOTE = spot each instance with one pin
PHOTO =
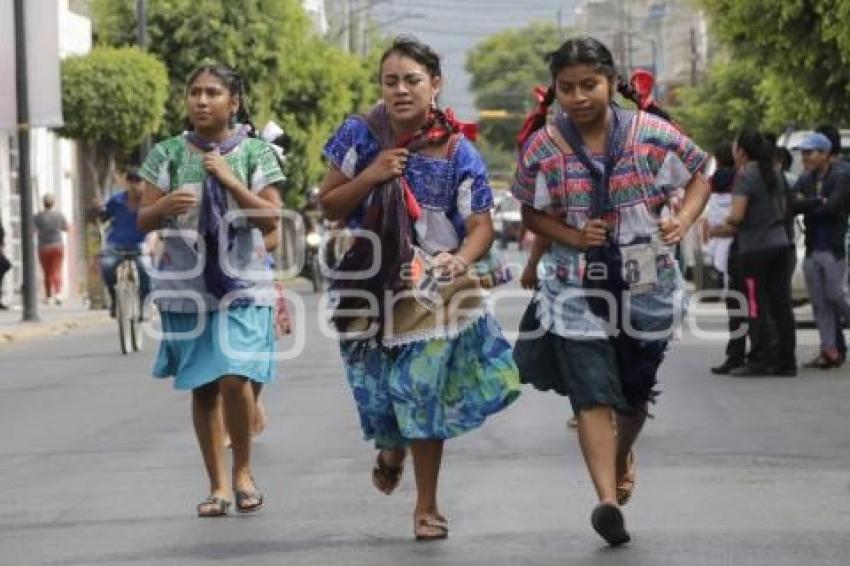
(448, 189)
(656, 162)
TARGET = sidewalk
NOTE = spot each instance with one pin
(56, 320)
(53, 320)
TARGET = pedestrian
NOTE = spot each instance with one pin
(723, 250)
(191, 182)
(595, 183)
(123, 236)
(835, 160)
(759, 216)
(49, 225)
(5, 264)
(822, 195)
(428, 372)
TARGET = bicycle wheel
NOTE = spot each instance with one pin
(124, 319)
(137, 332)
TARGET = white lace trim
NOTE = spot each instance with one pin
(442, 333)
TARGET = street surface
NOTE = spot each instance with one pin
(100, 467)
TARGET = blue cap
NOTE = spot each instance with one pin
(815, 142)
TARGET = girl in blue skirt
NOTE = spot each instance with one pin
(213, 286)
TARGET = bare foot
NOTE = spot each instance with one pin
(430, 525)
(389, 465)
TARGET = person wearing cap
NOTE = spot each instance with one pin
(822, 195)
(121, 210)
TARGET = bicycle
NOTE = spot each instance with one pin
(128, 307)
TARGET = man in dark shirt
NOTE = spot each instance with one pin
(822, 195)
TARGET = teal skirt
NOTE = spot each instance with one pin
(238, 341)
(435, 389)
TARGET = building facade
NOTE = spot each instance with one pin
(54, 170)
(670, 38)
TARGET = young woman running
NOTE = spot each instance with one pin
(596, 183)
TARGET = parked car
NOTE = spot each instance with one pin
(507, 221)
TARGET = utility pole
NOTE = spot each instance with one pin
(142, 41)
(30, 313)
(346, 26)
(694, 56)
(561, 23)
(142, 23)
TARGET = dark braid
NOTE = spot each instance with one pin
(628, 92)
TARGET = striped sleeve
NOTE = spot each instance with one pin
(530, 186)
(680, 153)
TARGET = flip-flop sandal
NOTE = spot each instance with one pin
(386, 478)
(213, 506)
(608, 522)
(425, 522)
(626, 485)
(243, 495)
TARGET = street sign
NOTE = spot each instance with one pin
(42, 38)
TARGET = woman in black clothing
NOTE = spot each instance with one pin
(759, 211)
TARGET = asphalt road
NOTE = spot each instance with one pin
(99, 466)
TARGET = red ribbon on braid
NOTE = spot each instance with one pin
(537, 117)
(643, 81)
(436, 130)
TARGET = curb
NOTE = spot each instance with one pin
(33, 330)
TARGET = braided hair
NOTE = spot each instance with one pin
(235, 86)
(582, 51)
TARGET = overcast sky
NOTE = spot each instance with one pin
(453, 27)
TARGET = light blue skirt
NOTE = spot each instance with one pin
(238, 341)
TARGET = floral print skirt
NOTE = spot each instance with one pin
(434, 389)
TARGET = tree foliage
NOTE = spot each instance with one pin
(113, 97)
(727, 101)
(799, 50)
(505, 68)
(291, 75)
(111, 100)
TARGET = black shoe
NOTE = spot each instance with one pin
(726, 367)
(751, 370)
(3, 307)
(608, 521)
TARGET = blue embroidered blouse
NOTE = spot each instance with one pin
(449, 189)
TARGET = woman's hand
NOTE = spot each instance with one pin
(529, 279)
(216, 165)
(673, 230)
(593, 234)
(176, 203)
(389, 165)
(450, 265)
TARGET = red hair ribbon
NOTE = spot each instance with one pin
(643, 81)
(536, 117)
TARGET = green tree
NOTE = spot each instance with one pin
(801, 49)
(291, 75)
(111, 100)
(727, 101)
(505, 68)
